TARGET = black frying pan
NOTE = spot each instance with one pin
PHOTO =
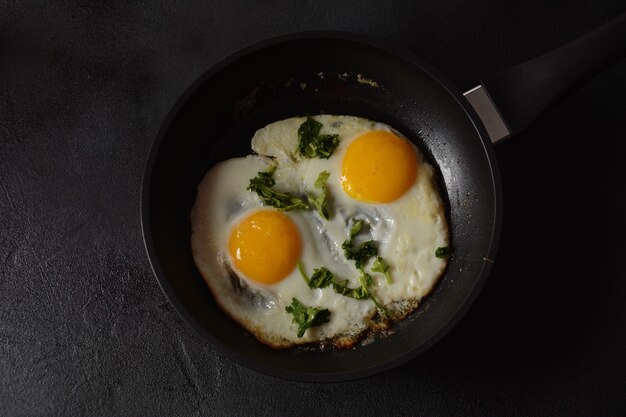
(274, 80)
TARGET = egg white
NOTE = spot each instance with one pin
(408, 231)
(222, 201)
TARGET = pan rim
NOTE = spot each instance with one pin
(285, 373)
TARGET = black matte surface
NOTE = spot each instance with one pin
(524, 92)
(84, 328)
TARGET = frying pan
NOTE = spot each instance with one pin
(339, 73)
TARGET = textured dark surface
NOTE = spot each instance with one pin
(84, 327)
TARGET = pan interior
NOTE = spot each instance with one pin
(294, 77)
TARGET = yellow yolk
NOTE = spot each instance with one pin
(378, 167)
(265, 246)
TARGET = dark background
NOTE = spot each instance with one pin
(84, 327)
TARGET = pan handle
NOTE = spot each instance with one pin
(511, 100)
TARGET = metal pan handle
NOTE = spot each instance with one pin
(511, 100)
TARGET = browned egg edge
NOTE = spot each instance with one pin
(377, 326)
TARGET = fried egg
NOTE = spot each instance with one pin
(249, 253)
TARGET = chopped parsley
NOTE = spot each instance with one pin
(262, 185)
(320, 182)
(364, 252)
(323, 278)
(306, 317)
(444, 252)
(264, 181)
(303, 273)
(319, 201)
(382, 266)
(342, 288)
(366, 281)
(357, 225)
(313, 144)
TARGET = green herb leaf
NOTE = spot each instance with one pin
(382, 266)
(306, 317)
(263, 179)
(364, 252)
(304, 275)
(312, 144)
(321, 278)
(444, 252)
(319, 202)
(366, 281)
(325, 145)
(360, 293)
(262, 185)
(307, 132)
(361, 255)
(357, 225)
(320, 182)
(342, 288)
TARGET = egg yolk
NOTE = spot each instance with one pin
(378, 167)
(265, 246)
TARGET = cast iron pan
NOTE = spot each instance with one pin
(315, 73)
